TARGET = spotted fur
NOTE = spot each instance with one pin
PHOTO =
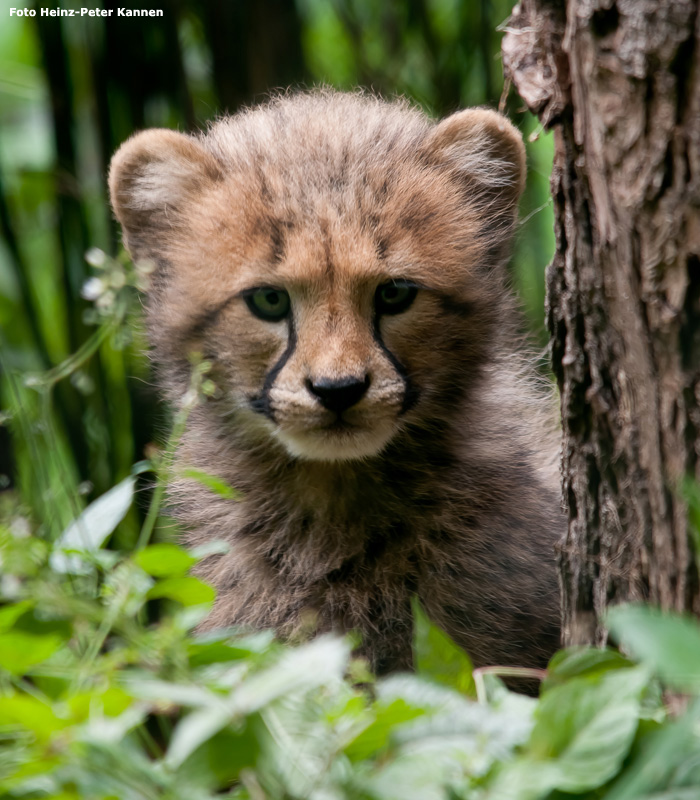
(439, 478)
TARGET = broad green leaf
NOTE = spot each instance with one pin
(433, 770)
(24, 711)
(219, 761)
(164, 560)
(525, 779)
(318, 663)
(584, 728)
(216, 652)
(438, 657)
(90, 530)
(111, 702)
(19, 651)
(375, 736)
(194, 730)
(11, 613)
(576, 661)
(300, 669)
(213, 483)
(230, 644)
(183, 694)
(667, 754)
(188, 590)
(420, 693)
(668, 643)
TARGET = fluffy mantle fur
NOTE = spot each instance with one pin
(440, 480)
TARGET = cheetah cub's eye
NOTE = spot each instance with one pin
(268, 303)
(394, 297)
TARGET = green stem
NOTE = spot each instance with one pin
(163, 476)
(49, 379)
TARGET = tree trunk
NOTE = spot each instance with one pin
(619, 82)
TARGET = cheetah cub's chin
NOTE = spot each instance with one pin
(339, 441)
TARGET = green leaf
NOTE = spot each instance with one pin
(667, 756)
(182, 694)
(576, 661)
(110, 702)
(215, 653)
(584, 728)
(219, 761)
(90, 530)
(11, 613)
(668, 643)
(164, 560)
(19, 651)
(213, 483)
(438, 657)
(375, 736)
(194, 730)
(23, 711)
(300, 669)
(436, 769)
(188, 591)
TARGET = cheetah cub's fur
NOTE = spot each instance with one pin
(340, 260)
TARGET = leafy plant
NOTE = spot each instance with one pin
(105, 695)
(108, 690)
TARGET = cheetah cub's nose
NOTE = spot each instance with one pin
(338, 395)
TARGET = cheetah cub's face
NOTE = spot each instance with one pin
(329, 257)
(319, 373)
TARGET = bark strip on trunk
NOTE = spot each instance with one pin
(619, 82)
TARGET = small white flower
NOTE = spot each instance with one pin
(92, 289)
(96, 257)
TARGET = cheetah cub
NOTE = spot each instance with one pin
(340, 260)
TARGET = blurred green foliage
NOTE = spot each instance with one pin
(100, 702)
(72, 89)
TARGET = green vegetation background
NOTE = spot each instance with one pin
(72, 89)
(107, 691)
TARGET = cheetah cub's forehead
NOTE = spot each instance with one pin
(322, 250)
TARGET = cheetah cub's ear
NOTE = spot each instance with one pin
(152, 178)
(485, 153)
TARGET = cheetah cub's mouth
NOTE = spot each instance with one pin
(336, 392)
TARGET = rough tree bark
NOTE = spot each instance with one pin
(619, 82)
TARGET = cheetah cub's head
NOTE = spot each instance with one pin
(336, 256)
